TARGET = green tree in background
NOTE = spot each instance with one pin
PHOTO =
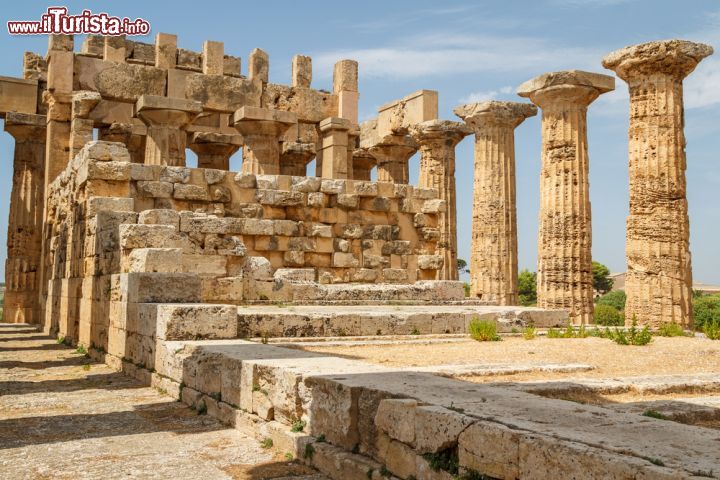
(527, 287)
(601, 278)
(462, 266)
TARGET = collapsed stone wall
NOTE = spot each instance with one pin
(121, 234)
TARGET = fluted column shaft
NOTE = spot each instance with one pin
(437, 140)
(494, 257)
(658, 281)
(564, 279)
(25, 218)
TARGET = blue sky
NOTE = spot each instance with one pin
(468, 51)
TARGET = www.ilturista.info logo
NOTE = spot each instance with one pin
(57, 21)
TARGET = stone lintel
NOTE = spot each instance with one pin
(216, 138)
(26, 126)
(674, 57)
(334, 123)
(246, 113)
(396, 116)
(156, 102)
(495, 112)
(18, 95)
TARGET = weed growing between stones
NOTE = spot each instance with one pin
(201, 408)
(569, 332)
(289, 457)
(483, 330)
(321, 438)
(529, 333)
(385, 472)
(267, 443)
(86, 367)
(655, 461)
(445, 460)
(298, 426)
(309, 451)
(81, 350)
(654, 414)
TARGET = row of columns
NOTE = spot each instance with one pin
(658, 281)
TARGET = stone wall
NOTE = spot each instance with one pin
(121, 234)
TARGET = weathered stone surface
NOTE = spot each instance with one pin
(659, 274)
(493, 259)
(565, 240)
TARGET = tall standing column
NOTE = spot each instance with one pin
(26, 218)
(494, 255)
(564, 278)
(261, 129)
(658, 282)
(437, 140)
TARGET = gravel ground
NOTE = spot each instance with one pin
(678, 355)
(62, 417)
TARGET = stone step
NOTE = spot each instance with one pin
(368, 320)
(395, 417)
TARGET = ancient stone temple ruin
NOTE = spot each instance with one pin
(179, 275)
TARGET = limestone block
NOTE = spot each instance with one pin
(397, 247)
(223, 289)
(317, 230)
(152, 287)
(245, 180)
(140, 171)
(215, 265)
(253, 226)
(340, 245)
(398, 458)
(396, 417)
(267, 182)
(258, 268)
(301, 71)
(174, 174)
(305, 184)
(345, 260)
(191, 192)
(295, 274)
(280, 198)
(434, 206)
(287, 228)
(294, 258)
(192, 322)
(365, 189)
(232, 66)
(146, 236)
(258, 65)
(430, 262)
(160, 217)
(106, 151)
(437, 428)
(375, 261)
(364, 275)
(97, 204)
(333, 186)
(490, 448)
(155, 189)
(395, 275)
(155, 260)
(213, 176)
(220, 193)
(348, 201)
(230, 374)
(317, 199)
(429, 234)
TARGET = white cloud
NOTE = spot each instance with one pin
(487, 95)
(701, 87)
(452, 54)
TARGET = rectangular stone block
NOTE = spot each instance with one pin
(166, 260)
(192, 322)
(146, 236)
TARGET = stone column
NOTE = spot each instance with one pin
(363, 163)
(261, 129)
(25, 221)
(494, 256)
(564, 278)
(295, 157)
(392, 155)
(335, 162)
(214, 149)
(166, 119)
(658, 281)
(437, 140)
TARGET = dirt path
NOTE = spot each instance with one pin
(62, 417)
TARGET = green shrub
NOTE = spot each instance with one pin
(527, 288)
(706, 310)
(670, 330)
(466, 287)
(633, 336)
(608, 316)
(483, 330)
(654, 414)
(712, 330)
(615, 299)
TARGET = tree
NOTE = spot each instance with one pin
(527, 287)
(462, 266)
(601, 278)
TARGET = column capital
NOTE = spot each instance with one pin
(566, 88)
(26, 126)
(83, 101)
(447, 131)
(495, 113)
(174, 112)
(251, 121)
(677, 58)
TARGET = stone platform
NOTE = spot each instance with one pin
(341, 320)
(359, 419)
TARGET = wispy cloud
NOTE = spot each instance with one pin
(442, 54)
(488, 95)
